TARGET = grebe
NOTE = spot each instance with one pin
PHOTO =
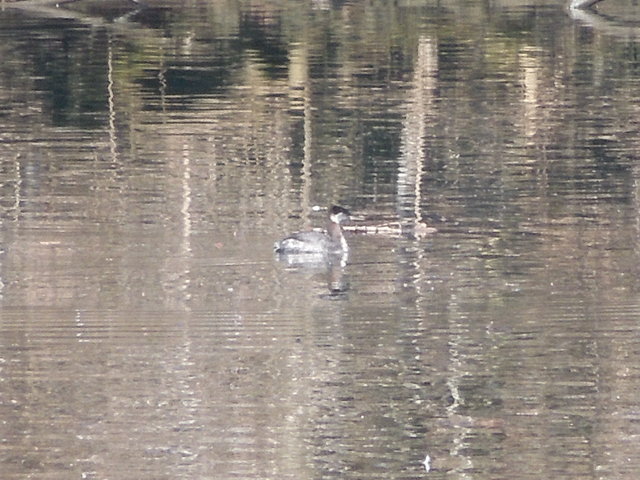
(330, 242)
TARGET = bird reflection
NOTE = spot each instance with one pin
(334, 266)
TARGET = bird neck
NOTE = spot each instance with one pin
(335, 232)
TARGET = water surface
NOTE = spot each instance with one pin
(150, 156)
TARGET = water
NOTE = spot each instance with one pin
(149, 158)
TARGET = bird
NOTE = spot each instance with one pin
(327, 242)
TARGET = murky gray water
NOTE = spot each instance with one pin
(149, 157)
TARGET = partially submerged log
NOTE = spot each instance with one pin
(392, 229)
(57, 9)
(583, 3)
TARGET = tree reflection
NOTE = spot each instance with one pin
(149, 158)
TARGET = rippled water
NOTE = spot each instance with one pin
(150, 156)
